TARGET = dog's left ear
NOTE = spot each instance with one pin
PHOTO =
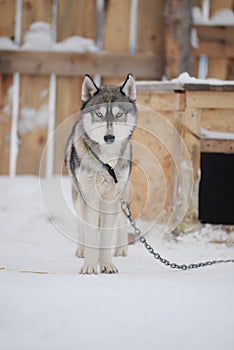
(89, 88)
(129, 88)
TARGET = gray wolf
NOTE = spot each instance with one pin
(100, 141)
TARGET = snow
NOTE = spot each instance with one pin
(194, 39)
(31, 119)
(146, 305)
(207, 134)
(223, 17)
(39, 37)
(185, 78)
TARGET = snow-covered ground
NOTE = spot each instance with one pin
(145, 306)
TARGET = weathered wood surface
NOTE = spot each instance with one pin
(216, 5)
(5, 128)
(153, 165)
(78, 64)
(209, 99)
(219, 120)
(7, 20)
(177, 33)
(34, 92)
(217, 146)
(68, 95)
(217, 43)
(162, 101)
(190, 128)
(214, 50)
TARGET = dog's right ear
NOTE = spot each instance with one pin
(89, 88)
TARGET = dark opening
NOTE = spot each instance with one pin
(216, 193)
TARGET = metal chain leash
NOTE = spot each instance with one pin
(125, 206)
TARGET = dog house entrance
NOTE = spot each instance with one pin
(216, 192)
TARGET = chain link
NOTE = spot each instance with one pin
(125, 206)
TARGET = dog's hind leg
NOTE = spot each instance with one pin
(80, 251)
(121, 247)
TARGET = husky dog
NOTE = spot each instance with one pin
(98, 155)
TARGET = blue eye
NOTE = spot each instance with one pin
(118, 115)
(99, 114)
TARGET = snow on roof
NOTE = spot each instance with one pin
(223, 17)
(185, 78)
(39, 38)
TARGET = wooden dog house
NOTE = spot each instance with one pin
(203, 115)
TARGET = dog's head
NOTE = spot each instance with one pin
(108, 112)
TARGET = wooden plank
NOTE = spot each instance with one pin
(116, 26)
(231, 70)
(68, 102)
(33, 11)
(82, 21)
(178, 23)
(197, 3)
(190, 128)
(32, 136)
(209, 99)
(153, 165)
(7, 24)
(220, 120)
(217, 146)
(167, 101)
(217, 68)
(78, 64)
(33, 99)
(79, 16)
(149, 28)
(153, 86)
(214, 50)
(216, 34)
(5, 123)
(7, 18)
(208, 87)
(116, 37)
(216, 5)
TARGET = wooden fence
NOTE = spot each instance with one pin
(74, 17)
(216, 42)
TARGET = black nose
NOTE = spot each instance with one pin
(109, 138)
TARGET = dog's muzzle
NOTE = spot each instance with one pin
(109, 138)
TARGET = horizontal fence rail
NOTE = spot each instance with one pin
(77, 64)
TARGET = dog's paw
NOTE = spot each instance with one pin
(89, 269)
(108, 268)
(80, 251)
(121, 251)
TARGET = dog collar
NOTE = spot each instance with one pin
(108, 166)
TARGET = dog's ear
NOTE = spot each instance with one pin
(128, 88)
(89, 88)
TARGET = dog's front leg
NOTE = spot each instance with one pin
(107, 224)
(91, 241)
(121, 247)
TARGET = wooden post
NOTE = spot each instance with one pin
(33, 98)
(178, 23)
(7, 20)
(82, 21)
(190, 131)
